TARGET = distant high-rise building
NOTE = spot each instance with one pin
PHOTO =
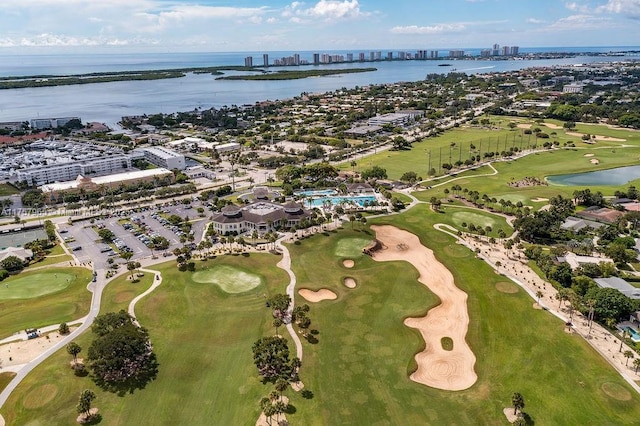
(496, 50)
(485, 53)
(515, 50)
(505, 50)
(296, 59)
(265, 60)
(316, 58)
(402, 55)
(361, 56)
(248, 61)
(456, 53)
(434, 54)
(378, 56)
(372, 56)
(421, 54)
(389, 56)
(349, 57)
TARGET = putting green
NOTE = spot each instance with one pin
(351, 247)
(228, 278)
(475, 218)
(34, 285)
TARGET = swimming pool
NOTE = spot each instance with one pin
(635, 337)
(357, 199)
(316, 192)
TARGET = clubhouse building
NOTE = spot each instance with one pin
(261, 216)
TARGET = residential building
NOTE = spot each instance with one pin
(19, 252)
(248, 61)
(62, 172)
(163, 157)
(265, 60)
(619, 284)
(51, 123)
(316, 59)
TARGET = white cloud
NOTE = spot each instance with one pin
(579, 22)
(535, 21)
(430, 29)
(630, 8)
(327, 10)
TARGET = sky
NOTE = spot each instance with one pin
(35, 26)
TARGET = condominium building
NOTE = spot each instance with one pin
(456, 53)
(248, 61)
(399, 118)
(42, 175)
(51, 123)
(265, 60)
(163, 157)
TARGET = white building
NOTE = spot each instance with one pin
(227, 147)
(163, 157)
(262, 217)
(51, 123)
(42, 175)
(399, 118)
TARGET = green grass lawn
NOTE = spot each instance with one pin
(202, 337)
(49, 300)
(5, 378)
(365, 353)
(35, 285)
(229, 278)
(6, 189)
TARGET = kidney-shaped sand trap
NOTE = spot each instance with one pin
(317, 296)
(350, 282)
(348, 263)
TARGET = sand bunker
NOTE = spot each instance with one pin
(317, 296)
(348, 263)
(524, 126)
(350, 282)
(595, 161)
(589, 155)
(437, 368)
(552, 126)
(539, 200)
(597, 137)
(24, 351)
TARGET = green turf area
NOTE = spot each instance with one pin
(351, 247)
(6, 189)
(71, 302)
(34, 285)
(230, 279)
(202, 337)
(5, 378)
(518, 349)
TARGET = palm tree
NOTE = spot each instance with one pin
(636, 364)
(281, 386)
(539, 294)
(277, 322)
(517, 401)
(628, 355)
(352, 219)
(624, 336)
(74, 349)
(84, 403)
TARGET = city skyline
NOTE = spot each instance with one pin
(50, 26)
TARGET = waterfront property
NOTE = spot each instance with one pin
(261, 216)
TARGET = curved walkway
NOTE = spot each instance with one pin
(285, 264)
(600, 339)
(157, 280)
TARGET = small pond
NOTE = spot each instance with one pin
(617, 176)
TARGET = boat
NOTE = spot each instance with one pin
(444, 65)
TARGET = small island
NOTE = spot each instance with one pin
(294, 75)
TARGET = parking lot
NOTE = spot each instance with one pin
(133, 231)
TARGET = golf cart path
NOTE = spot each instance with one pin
(157, 280)
(285, 264)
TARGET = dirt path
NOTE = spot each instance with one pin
(437, 367)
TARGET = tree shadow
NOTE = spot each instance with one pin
(306, 394)
(94, 420)
(129, 386)
(312, 339)
(528, 420)
(291, 409)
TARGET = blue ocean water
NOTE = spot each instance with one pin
(108, 102)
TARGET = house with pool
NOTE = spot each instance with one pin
(261, 216)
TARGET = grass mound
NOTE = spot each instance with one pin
(447, 343)
(351, 247)
(34, 285)
(228, 278)
(40, 396)
(616, 391)
(475, 218)
(506, 287)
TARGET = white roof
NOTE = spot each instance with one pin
(103, 180)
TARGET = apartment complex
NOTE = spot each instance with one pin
(42, 175)
(399, 118)
(163, 157)
(51, 123)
